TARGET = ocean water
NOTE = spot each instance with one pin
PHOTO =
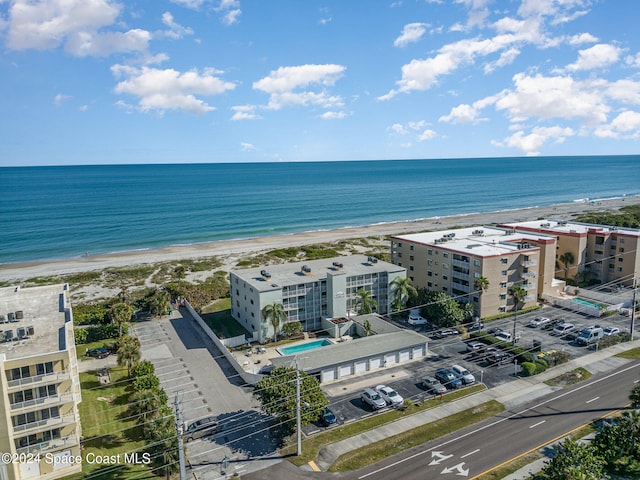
(63, 212)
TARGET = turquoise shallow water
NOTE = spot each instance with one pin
(63, 212)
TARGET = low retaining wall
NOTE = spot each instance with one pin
(249, 378)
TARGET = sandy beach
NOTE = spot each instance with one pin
(232, 250)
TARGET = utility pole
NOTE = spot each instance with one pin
(179, 429)
(633, 306)
(298, 413)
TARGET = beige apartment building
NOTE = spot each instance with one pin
(601, 253)
(452, 261)
(39, 385)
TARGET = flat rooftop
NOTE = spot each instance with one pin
(477, 241)
(42, 309)
(561, 226)
(293, 274)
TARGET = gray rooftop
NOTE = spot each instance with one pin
(292, 273)
(42, 309)
(561, 226)
(320, 358)
(477, 241)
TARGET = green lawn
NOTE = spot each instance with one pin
(106, 429)
(631, 354)
(218, 316)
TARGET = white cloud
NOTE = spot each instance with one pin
(292, 86)
(230, 11)
(553, 97)
(176, 31)
(461, 114)
(331, 115)
(598, 56)
(506, 58)
(398, 129)
(417, 129)
(411, 33)
(76, 24)
(582, 38)
(245, 112)
(625, 91)
(161, 90)
(633, 61)
(247, 147)
(192, 4)
(531, 143)
(625, 125)
(60, 98)
(427, 135)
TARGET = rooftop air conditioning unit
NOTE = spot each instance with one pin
(19, 315)
(22, 332)
(265, 274)
(31, 331)
(11, 316)
(545, 225)
(306, 269)
(8, 335)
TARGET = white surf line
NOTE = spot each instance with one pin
(470, 453)
(536, 424)
(592, 400)
(411, 457)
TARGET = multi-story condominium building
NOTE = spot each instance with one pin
(452, 262)
(39, 385)
(309, 291)
(600, 253)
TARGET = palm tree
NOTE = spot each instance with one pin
(367, 328)
(567, 259)
(481, 284)
(120, 314)
(518, 293)
(145, 403)
(365, 303)
(274, 314)
(159, 302)
(128, 352)
(403, 291)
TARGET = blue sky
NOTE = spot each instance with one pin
(181, 81)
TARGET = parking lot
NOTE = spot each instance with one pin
(344, 396)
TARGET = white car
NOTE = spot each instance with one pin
(417, 319)
(539, 322)
(389, 395)
(463, 374)
(611, 331)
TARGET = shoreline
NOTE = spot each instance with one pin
(15, 272)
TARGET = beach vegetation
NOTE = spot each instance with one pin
(128, 352)
(277, 394)
(120, 314)
(91, 313)
(365, 303)
(157, 303)
(96, 333)
(275, 315)
(573, 460)
(627, 216)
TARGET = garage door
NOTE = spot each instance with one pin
(405, 355)
(390, 358)
(418, 352)
(361, 366)
(346, 370)
(328, 375)
(375, 363)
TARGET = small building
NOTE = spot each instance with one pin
(310, 291)
(39, 384)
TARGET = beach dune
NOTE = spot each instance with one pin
(229, 251)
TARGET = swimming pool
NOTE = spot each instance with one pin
(586, 303)
(303, 347)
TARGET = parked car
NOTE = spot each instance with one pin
(475, 326)
(463, 374)
(474, 346)
(553, 324)
(446, 332)
(432, 385)
(372, 398)
(500, 358)
(504, 336)
(539, 322)
(202, 428)
(99, 352)
(610, 331)
(416, 319)
(327, 417)
(448, 378)
(589, 336)
(563, 329)
(390, 396)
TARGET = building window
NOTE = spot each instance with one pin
(411, 278)
(502, 309)
(445, 289)
(411, 257)
(476, 262)
(621, 250)
(429, 273)
(429, 284)
(445, 277)
(411, 248)
(620, 260)
(445, 265)
(621, 239)
(620, 269)
(476, 299)
(503, 284)
(503, 296)
(504, 273)
(43, 368)
(504, 260)
(20, 372)
(411, 268)
(429, 262)
(445, 254)
(429, 251)
(399, 254)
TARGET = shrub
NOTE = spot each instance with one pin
(557, 358)
(97, 333)
(541, 365)
(144, 376)
(528, 369)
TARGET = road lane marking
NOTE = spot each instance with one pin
(441, 457)
(504, 419)
(314, 467)
(536, 424)
(470, 453)
(459, 467)
(592, 400)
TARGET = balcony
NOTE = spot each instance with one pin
(528, 275)
(55, 444)
(44, 401)
(529, 286)
(48, 424)
(529, 298)
(528, 263)
(53, 377)
(461, 276)
(460, 263)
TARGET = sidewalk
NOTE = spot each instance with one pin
(510, 394)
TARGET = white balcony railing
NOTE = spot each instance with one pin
(53, 422)
(46, 377)
(54, 444)
(44, 401)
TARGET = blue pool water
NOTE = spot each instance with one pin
(303, 347)
(586, 302)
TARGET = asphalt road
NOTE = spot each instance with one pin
(475, 450)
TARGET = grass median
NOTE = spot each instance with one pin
(390, 446)
(312, 445)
